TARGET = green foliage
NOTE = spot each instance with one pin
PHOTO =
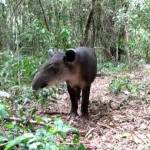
(61, 24)
(65, 38)
(21, 139)
(35, 37)
(16, 75)
(135, 16)
(3, 112)
(34, 30)
(46, 138)
(53, 135)
(28, 31)
(109, 67)
(17, 95)
(120, 84)
(17, 69)
(3, 139)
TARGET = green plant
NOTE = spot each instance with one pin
(18, 69)
(65, 36)
(3, 112)
(35, 36)
(16, 76)
(109, 67)
(58, 136)
(120, 84)
(53, 134)
(16, 93)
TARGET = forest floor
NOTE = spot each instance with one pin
(116, 122)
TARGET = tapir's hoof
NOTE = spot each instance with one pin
(85, 116)
(73, 114)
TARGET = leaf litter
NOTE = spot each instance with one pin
(116, 122)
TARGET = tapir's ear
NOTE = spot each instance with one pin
(70, 56)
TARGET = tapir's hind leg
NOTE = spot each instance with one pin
(85, 101)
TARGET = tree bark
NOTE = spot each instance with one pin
(84, 41)
(44, 15)
(93, 34)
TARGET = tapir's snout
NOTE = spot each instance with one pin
(39, 83)
(36, 86)
(57, 69)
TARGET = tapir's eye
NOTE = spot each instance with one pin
(52, 68)
(55, 69)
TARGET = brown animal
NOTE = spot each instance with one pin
(78, 68)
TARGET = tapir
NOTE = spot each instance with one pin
(77, 67)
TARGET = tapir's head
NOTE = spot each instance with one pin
(58, 68)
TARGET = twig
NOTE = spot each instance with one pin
(31, 121)
(13, 118)
(104, 125)
(89, 132)
(55, 113)
(134, 133)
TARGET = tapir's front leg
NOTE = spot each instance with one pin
(85, 101)
(74, 97)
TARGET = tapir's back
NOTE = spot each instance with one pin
(87, 62)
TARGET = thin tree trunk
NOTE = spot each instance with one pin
(93, 34)
(116, 58)
(87, 28)
(84, 41)
(126, 43)
(44, 15)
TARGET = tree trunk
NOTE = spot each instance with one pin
(44, 15)
(93, 34)
(84, 40)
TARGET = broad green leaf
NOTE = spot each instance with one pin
(10, 125)
(81, 147)
(18, 140)
(63, 129)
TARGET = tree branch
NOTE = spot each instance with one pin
(13, 118)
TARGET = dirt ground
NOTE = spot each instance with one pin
(117, 122)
